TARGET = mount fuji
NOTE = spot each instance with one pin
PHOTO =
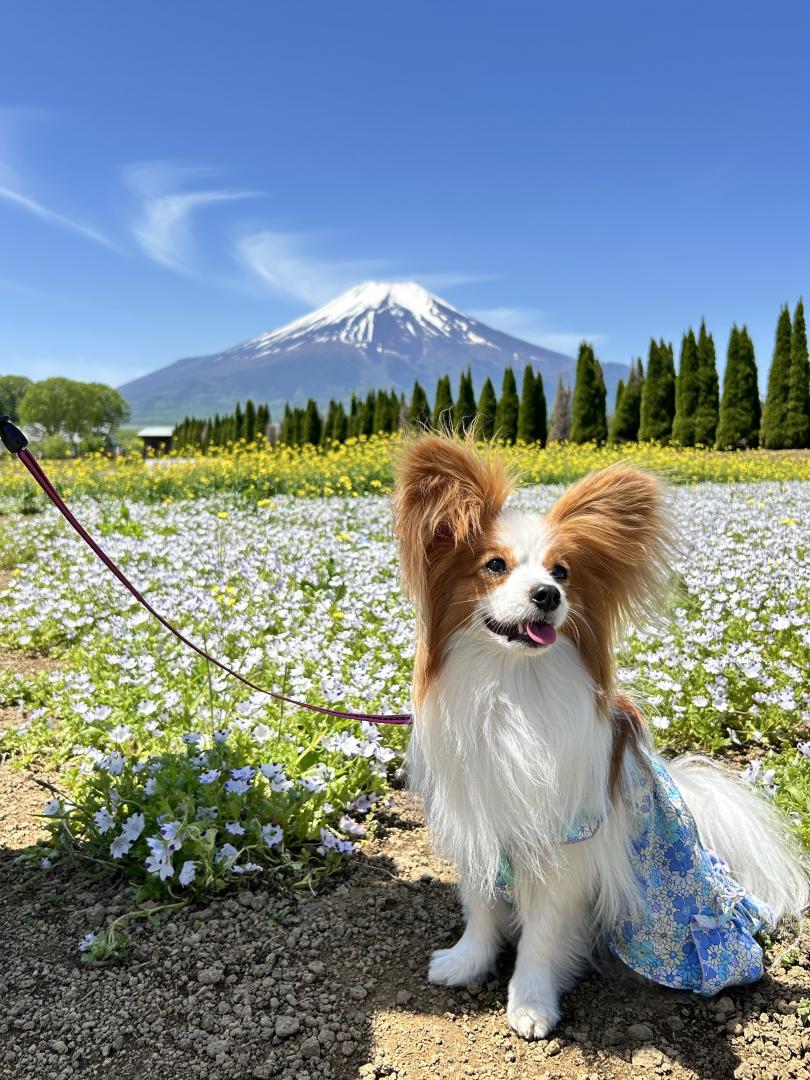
(375, 336)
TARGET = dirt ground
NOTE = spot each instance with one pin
(257, 986)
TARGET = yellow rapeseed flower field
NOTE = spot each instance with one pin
(363, 465)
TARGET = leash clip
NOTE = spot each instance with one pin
(13, 439)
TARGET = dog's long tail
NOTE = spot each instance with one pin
(747, 832)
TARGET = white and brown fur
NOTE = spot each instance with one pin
(512, 744)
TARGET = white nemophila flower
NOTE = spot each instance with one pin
(804, 748)
(234, 828)
(362, 804)
(169, 830)
(272, 835)
(220, 735)
(275, 775)
(331, 842)
(99, 714)
(199, 761)
(188, 871)
(114, 763)
(45, 863)
(661, 722)
(120, 734)
(261, 734)
(120, 846)
(192, 738)
(700, 700)
(349, 825)
(159, 867)
(150, 787)
(133, 827)
(209, 777)
(226, 852)
(246, 868)
(104, 820)
(147, 708)
(313, 783)
(53, 808)
(237, 787)
(88, 941)
(342, 742)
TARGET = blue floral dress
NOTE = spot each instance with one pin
(695, 927)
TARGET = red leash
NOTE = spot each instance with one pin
(16, 443)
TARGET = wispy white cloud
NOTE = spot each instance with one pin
(44, 213)
(286, 265)
(163, 225)
(530, 324)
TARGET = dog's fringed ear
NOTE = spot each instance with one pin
(617, 523)
(446, 493)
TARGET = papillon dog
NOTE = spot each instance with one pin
(519, 732)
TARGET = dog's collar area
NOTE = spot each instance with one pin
(583, 828)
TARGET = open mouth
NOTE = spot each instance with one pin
(533, 634)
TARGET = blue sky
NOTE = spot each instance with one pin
(175, 178)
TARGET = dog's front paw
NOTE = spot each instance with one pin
(533, 1019)
(458, 966)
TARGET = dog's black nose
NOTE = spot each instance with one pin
(546, 597)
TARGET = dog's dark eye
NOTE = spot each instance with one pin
(496, 565)
(559, 572)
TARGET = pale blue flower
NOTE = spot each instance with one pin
(188, 872)
(272, 835)
(209, 777)
(104, 820)
(133, 827)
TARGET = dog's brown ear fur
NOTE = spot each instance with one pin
(447, 493)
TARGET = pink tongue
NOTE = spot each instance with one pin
(542, 633)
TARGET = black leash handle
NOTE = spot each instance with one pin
(16, 443)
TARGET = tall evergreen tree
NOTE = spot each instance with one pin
(487, 408)
(354, 416)
(559, 428)
(774, 415)
(340, 426)
(237, 430)
(262, 421)
(506, 414)
(419, 410)
(249, 423)
(588, 413)
(365, 422)
(797, 420)
(627, 415)
(443, 405)
(527, 411)
(708, 407)
(311, 432)
(328, 423)
(738, 426)
(687, 392)
(464, 409)
(658, 395)
(540, 411)
(382, 412)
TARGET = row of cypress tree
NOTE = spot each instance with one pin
(250, 425)
(685, 408)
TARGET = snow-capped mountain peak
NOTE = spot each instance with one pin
(378, 335)
(351, 317)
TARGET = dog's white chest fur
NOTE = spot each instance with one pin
(507, 752)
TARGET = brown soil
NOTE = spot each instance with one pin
(258, 986)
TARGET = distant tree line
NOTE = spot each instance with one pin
(252, 425)
(67, 417)
(684, 407)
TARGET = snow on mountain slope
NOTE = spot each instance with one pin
(375, 335)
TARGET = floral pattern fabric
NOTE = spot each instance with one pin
(695, 926)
